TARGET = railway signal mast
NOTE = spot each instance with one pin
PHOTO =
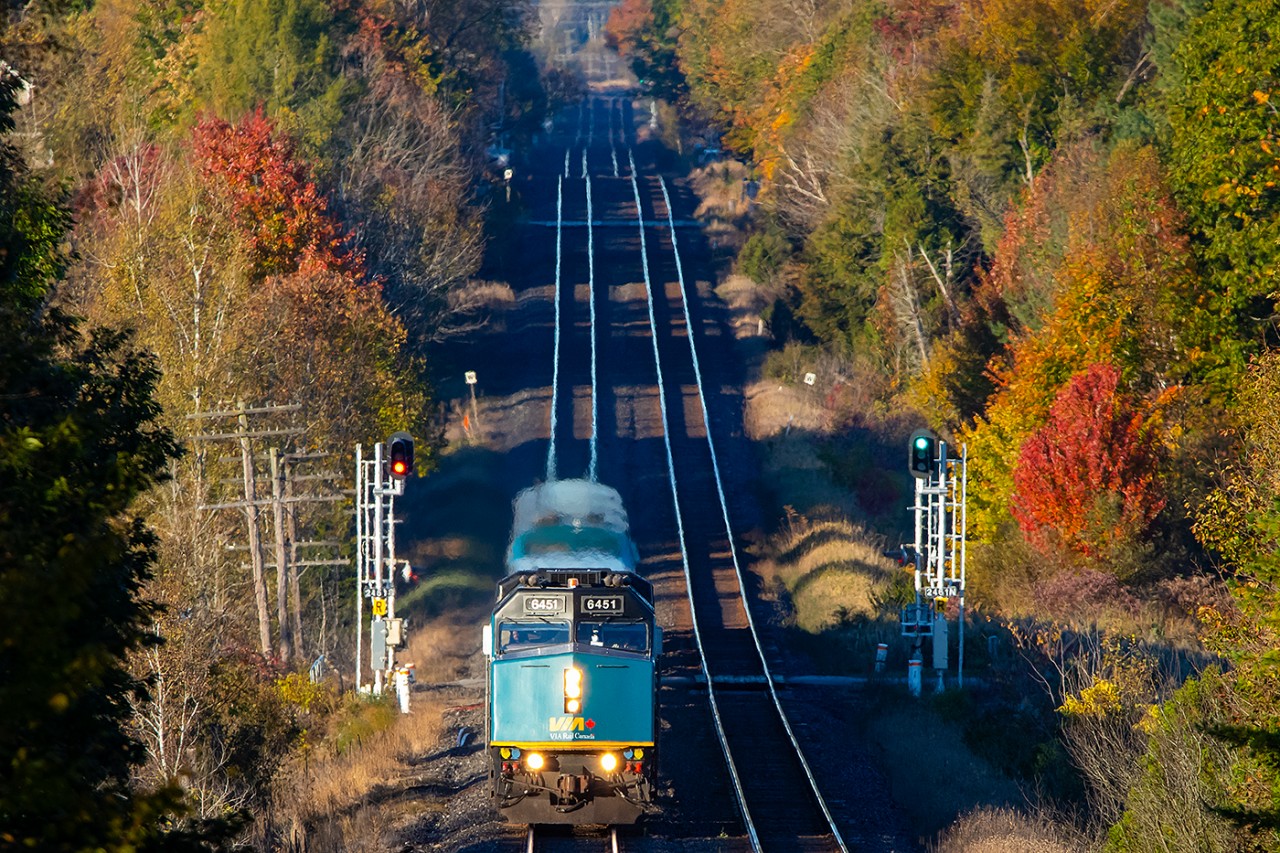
(938, 552)
(379, 481)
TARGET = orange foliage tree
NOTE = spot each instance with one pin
(1087, 478)
(275, 205)
(321, 329)
(1096, 268)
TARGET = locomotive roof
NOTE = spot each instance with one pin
(588, 580)
(566, 546)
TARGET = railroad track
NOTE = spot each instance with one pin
(781, 803)
(777, 796)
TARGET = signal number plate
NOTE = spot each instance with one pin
(601, 604)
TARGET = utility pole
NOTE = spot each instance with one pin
(255, 540)
(283, 503)
(250, 503)
(282, 556)
(295, 591)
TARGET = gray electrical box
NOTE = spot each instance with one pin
(940, 641)
(395, 633)
(378, 643)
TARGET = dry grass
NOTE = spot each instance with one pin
(826, 598)
(332, 798)
(480, 294)
(747, 302)
(777, 409)
(831, 568)
(343, 795)
(443, 650)
(723, 206)
(1004, 831)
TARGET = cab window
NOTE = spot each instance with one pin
(517, 636)
(624, 636)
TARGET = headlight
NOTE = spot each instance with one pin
(572, 690)
(573, 683)
(608, 762)
(534, 761)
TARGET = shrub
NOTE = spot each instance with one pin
(1081, 595)
(1180, 777)
(1004, 831)
(763, 255)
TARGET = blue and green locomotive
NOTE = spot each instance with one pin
(572, 649)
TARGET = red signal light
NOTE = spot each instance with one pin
(400, 455)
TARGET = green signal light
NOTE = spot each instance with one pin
(922, 443)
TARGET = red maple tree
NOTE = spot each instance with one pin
(1087, 478)
(274, 203)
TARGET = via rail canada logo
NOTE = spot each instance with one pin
(571, 728)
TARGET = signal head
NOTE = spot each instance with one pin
(400, 455)
(923, 453)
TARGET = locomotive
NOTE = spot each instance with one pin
(571, 678)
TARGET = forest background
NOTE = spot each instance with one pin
(1047, 229)
(278, 204)
(1050, 231)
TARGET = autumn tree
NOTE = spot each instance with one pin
(402, 178)
(1239, 519)
(281, 54)
(1100, 271)
(1010, 77)
(1088, 478)
(643, 32)
(319, 322)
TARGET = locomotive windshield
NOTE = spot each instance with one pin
(515, 636)
(625, 636)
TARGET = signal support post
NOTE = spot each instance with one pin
(379, 481)
(938, 552)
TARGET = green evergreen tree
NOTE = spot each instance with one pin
(279, 54)
(1224, 155)
(79, 442)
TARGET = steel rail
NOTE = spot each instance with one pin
(555, 369)
(591, 301)
(733, 550)
(684, 552)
